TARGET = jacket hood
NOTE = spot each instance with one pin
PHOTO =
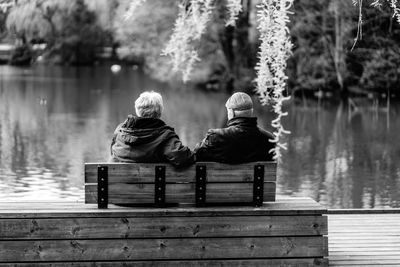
(137, 130)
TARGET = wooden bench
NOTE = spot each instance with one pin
(281, 232)
(206, 183)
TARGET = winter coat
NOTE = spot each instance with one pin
(241, 141)
(148, 140)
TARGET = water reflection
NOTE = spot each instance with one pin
(346, 158)
(52, 120)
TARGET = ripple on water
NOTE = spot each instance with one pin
(38, 185)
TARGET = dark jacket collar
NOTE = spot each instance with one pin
(134, 122)
(243, 121)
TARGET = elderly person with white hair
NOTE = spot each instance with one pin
(146, 138)
(241, 141)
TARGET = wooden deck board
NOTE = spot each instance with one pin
(364, 239)
(62, 210)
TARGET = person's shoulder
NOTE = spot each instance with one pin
(168, 132)
(217, 132)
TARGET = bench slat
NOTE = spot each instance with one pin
(144, 172)
(136, 227)
(119, 193)
(176, 248)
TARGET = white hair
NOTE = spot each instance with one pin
(149, 105)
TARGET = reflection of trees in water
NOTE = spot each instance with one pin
(343, 157)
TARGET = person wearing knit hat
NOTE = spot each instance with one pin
(240, 103)
(241, 141)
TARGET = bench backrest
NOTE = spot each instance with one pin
(160, 184)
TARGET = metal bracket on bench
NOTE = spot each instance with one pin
(258, 185)
(201, 181)
(102, 187)
(159, 186)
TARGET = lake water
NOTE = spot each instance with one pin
(53, 119)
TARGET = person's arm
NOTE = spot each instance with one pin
(178, 154)
(115, 136)
(205, 150)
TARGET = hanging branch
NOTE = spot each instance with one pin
(360, 22)
(6, 4)
(234, 8)
(275, 49)
(396, 10)
(133, 6)
(376, 4)
(189, 27)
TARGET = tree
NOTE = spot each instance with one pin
(68, 28)
(144, 34)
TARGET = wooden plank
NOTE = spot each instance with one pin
(362, 262)
(364, 239)
(363, 249)
(380, 263)
(11, 205)
(179, 193)
(82, 206)
(333, 254)
(142, 249)
(38, 210)
(128, 227)
(144, 172)
(364, 211)
(366, 257)
(301, 262)
(383, 241)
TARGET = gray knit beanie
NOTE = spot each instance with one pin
(239, 101)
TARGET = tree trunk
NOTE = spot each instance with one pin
(235, 46)
(339, 57)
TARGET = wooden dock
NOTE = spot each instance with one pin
(287, 232)
(364, 237)
(355, 237)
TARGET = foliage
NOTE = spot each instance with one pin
(68, 28)
(322, 35)
(189, 27)
(382, 73)
(323, 58)
(6, 4)
(132, 8)
(234, 8)
(145, 34)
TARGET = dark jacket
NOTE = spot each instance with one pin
(148, 140)
(242, 141)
